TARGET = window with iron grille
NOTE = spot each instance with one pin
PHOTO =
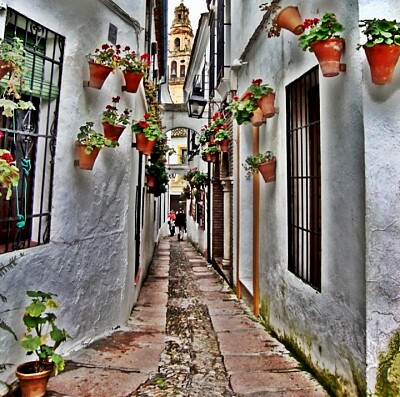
(30, 135)
(211, 70)
(304, 178)
(220, 41)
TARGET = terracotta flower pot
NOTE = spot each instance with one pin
(267, 170)
(289, 18)
(257, 118)
(211, 139)
(211, 157)
(5, 67)
(98, 74)
(266, 104)
(224, 145)
(328, 53)
(143, 144)
(113, 132)
(33, 384)
(382, 59)
(151, 180)
(86, 161)
(132, 81)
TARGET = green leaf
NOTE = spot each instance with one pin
(36, 308)
(57, 335)
(31, 343)
(59, 363)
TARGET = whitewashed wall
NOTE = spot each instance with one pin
(89, 262)
(328, 327)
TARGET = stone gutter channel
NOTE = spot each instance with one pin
(187, 336)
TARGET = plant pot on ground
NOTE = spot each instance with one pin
(42, 337)
(324, 40)
(382, 48)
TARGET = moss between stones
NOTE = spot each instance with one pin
(332, 384)
(388, 375)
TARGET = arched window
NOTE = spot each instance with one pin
(173, 68)
(177, 43)
(182, 71)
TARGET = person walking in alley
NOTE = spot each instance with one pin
(171, 222)
(180, 223)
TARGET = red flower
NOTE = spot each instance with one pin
(105, 46)
(216, 129)
(127, 48)
(216, 116)
(257, 81)
(235, 98)
(143, 124)
(145, 57)
(225, 126)
(1, 134)
(247, 95)
(146, 116)
(109, 107)
(8, 157)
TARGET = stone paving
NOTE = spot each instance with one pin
(187, 336)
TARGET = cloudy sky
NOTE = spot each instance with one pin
(196, 7)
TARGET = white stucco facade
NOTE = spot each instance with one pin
(90, 259)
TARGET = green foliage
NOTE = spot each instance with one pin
(258, 90)
(9, 173)
(212, 149)
(112, 116)
(10, 105)
(90, 138)
(42, 336)
(149, 126)
(252, 163)
(380, 31)
(14, 53)
(199, 179)
(107, 55)
(132, 62)
(221, 135)
(320, 29)
(243, 109)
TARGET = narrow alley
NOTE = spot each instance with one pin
(187, 336)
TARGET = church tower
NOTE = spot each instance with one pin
(179, 50)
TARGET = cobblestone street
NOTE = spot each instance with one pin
(187, 336)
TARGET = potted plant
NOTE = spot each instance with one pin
(211, 153)
(134, 67)
(154, 172)
(89, 143)
(9, 173)
(265, 97)
(286, 18)
(104, 60)
(382, 48)
(199, 180)
(42, 337)
(197, 194)
(12, 57)
(222, 138)
(264, 163)
(147, 132)
(322, 37)
(114, 122)
(243, 109)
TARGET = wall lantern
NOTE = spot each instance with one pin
(196, 103)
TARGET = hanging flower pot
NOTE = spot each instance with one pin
(113, 131)
(86, 161)
(328, 53)
(257, 118)
(211, 157)
(98, 74)
(151, 180)
(5, 67)
(132, 81)
(289, 18)
(382, 60)
(266, 104)
(224, 145)
(267, 170)
(143, 144)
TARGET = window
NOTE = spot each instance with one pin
(177, 43)
(304, 178)
(173, 68)
(220, 41)
(182, 71)
(31, 136)
(183, 156)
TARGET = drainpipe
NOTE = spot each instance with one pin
(256, 229)
(138, 215)
(209, 213)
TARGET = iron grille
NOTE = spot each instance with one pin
(30, 135)
(220, 41)
(304, 178)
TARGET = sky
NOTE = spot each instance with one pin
(196, 7)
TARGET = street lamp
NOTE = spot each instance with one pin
(196, 103)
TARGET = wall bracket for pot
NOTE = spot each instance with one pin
(76, 163)
(86, 83)
(342, 67)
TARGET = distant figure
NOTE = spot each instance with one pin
(180, 222)
(171, 222)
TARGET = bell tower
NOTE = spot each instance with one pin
(179, 50)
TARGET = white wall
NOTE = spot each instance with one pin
(329, 327)
(89, 262)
